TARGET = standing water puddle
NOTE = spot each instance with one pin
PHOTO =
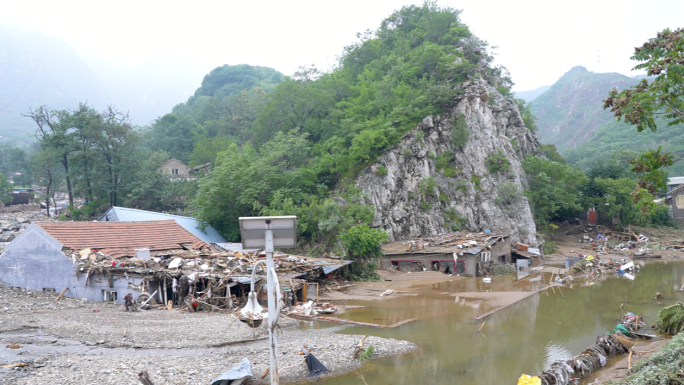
(522, 338)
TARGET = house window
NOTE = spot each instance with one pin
(109, 295)
(485, 256)
(49, 289)
(174, 171)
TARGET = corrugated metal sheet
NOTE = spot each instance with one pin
(209, 235)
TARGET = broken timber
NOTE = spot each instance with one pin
(350, 322)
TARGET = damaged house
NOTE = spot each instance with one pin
(452, 253)
(90, 259)
(160, 260)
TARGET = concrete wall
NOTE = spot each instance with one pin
(502, 247)
(471, 262)
(34, 261)
(678, 209)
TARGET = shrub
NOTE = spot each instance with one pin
(431, 155)
(498, 163)
(476, 181)
(363, 245)
(419, 137)
(549, 247)
(445, 162)
(382, 170)
(671, 319)
(406, 152)
(427, 185)
(425, 206)
(508, 195)
(459, 132)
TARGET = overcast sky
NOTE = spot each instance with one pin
(538, 40)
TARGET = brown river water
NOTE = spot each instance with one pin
(522, 338)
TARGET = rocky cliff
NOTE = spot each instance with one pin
(459, 170)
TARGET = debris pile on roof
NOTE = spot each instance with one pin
(458, 241)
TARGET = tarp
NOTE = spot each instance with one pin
(241, 371)
(316, 368)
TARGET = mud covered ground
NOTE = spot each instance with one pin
(75, 342)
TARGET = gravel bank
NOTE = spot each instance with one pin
(66, 342)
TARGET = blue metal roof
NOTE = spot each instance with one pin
(210, 234)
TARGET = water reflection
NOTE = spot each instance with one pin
(523, 338)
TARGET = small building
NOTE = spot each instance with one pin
(22, 196)
(674, 182)
(675, 199)
(77, 256)
(175, 168)
(209, 235)
(453, 253)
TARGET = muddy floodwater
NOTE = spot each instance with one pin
(522, 338)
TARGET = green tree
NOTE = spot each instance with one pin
(364, 246)
(526, 113)
(662, 57)
(173, 134)
(206, 149)
(5, 189)
(616, 201)
(554, 189)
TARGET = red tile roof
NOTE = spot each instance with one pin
(118, 239)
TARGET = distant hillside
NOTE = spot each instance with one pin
(570, 110)
(228, 80)
(40, 70)
(571, 117)
(529, 96)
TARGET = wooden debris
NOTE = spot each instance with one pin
(61, 294)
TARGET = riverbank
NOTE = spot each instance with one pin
(70, 341)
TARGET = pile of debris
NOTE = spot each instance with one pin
(568, 371)
(204, 279)
(15, 219)
(491, 268)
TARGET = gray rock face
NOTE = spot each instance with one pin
(414, 198)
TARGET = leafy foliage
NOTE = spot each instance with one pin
(363, 246)
(663, 367)
(459, 132)
(551, 153)
(382, 170)
(498, 163)
(5, 189)
(363, 243)
(445, 162)
(549, 247)
(555, 189)
(662, 57)
(526, 113)
(671, 319)
(366, 353)
(508, 196)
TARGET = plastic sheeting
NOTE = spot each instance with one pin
(316, 368)
(235, 374)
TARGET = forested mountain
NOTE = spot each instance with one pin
(37, 70)
(571, 109)
(571, 116)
